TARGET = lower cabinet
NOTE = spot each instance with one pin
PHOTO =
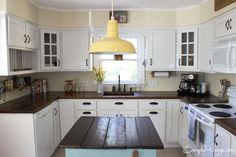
(56, 124)
(183, 125)
(159, 120)
(172, 120)
(222, 142)
(44, 132)
(67, 116)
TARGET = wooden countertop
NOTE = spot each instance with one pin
(113, 133)
(36, 102)
(228, 124)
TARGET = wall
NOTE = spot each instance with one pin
(2, 6)
(23, 9)
(57, 81)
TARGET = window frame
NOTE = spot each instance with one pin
(141, 52)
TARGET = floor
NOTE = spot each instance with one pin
(168, 152)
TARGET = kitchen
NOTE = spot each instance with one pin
(38, 41)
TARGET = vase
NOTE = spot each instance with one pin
(99, 87)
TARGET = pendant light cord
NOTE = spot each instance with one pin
(112, 10)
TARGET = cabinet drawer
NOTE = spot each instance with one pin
(152, 104)
(117, 105)
(85, 105)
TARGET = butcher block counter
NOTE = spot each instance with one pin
(36, 102)
(114, 136)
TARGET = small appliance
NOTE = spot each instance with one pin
(188, 84)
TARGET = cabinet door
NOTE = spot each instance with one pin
(172, 121)
(16, 32)
(222, 142)
(67, 116)
(206, 37)
(50, 50)
(57, 128)
(108, 113)
(233, 146)
(32, 36)
(84, 113)
(159, 120)
(75, 48)
(162, 55)
(128, 113)
(180, 135)
(187, 47)
(225, 25)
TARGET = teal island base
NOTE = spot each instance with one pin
(110, 152)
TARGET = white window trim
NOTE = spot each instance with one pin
(140, 56)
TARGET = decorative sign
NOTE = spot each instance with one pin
(219, 4)
(120, 16)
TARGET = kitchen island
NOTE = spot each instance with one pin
(114, 136)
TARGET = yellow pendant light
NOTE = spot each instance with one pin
(112, 43)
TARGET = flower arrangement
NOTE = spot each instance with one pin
(99, 74)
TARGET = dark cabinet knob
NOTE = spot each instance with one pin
(153, 103)
(86, 103)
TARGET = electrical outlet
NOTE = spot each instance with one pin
(152, 83)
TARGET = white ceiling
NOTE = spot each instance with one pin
(118, 4)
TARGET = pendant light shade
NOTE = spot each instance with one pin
(112, 43)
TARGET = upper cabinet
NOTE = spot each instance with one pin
(50, 50)
(187, 49)
(75, 50)
(225, 25)
(22, 34)
(161, 50)
(206, 38)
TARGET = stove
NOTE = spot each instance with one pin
(213, 111)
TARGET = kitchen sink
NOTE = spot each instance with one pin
(118, 94)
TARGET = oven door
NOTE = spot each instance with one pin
(203, 146)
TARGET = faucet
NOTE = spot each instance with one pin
(119, 88)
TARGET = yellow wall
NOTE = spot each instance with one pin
(23, 9)
(2, 5)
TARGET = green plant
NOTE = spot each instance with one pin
(99, 74)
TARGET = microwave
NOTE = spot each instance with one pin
(224, 55)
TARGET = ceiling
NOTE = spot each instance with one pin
(118, 4)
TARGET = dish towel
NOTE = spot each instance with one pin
(192, 127)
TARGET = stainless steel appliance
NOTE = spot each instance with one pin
(205, 115)
(187, 84)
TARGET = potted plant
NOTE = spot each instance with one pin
(99, 77)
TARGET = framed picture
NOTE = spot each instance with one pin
(120, 16)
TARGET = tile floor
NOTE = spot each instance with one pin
(168, 152)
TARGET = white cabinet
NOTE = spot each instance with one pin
(206, 37)
(50, 50)
(187, 49)
(225, 25)
(156, 110)
(44, 132)
(183, 125)
(67, 116)
(22, 34)
(56, 124)
(172, 121)
(117, 107)
(222, 142)
(85, 108)
(233, 146)
(161, 50)
(75, 50)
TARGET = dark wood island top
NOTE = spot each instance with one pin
(113, 133)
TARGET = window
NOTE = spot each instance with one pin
(130, 69)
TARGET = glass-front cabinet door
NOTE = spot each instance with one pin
(187, 49)
(50, 49)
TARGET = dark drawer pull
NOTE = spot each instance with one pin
(87, 112)
(86, 103)
(153, 112)
(119, 103)
(153, 103)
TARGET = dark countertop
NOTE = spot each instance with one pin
(36, 102)
(228, 124)
(113, 133)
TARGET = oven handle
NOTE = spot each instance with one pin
(209, 124)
